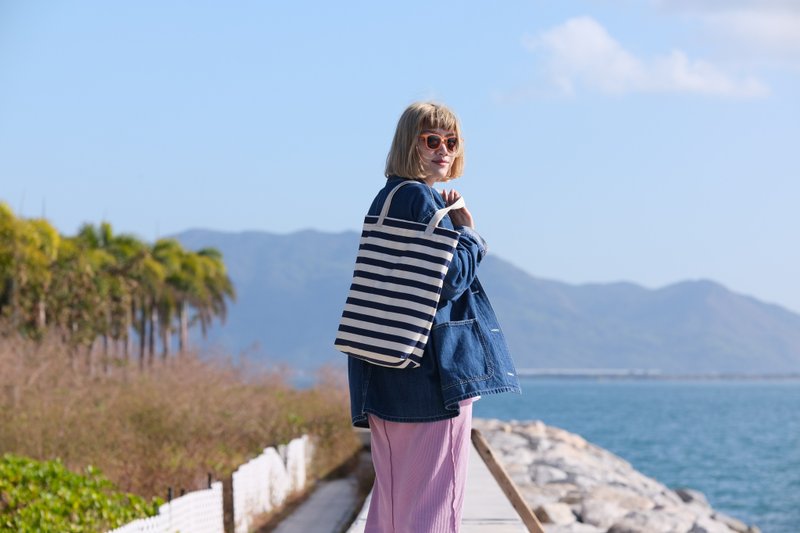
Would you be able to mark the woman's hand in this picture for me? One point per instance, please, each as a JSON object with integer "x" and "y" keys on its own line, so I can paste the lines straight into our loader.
{"x": 460, "y": 217}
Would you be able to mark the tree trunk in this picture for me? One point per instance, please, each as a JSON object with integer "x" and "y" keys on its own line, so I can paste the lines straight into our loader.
{"x": 127, "y": 340}
{"x": 13, "y": 296}
{"x": 152, "y": 334}
{"x": 165, "y": 341}
{"x": 41, "y": 315}
{"x": 142, "y": 335}
{"x": 106, "y": 366}
{"x": 73, "y": 350}
{"x": 123, "y": 349}
{"x": 183, "y": 337}
{"x": 90, "y": 359}
{"x": 128, "y": 348}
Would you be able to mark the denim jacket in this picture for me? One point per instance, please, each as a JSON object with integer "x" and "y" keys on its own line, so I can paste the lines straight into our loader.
{"x": 466, "y": 354}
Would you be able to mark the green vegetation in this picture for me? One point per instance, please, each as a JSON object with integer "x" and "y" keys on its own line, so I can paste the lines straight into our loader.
{"x": 45, "y": 496}
{"x": 169, "y": 424}
{"x": 167, "y": 427}
{"x": 99, "y": 287}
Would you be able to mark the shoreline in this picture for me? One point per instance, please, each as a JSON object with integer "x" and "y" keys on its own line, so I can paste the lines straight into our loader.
{"x": 575, "y": 486}
{"x": 636, "y": 375}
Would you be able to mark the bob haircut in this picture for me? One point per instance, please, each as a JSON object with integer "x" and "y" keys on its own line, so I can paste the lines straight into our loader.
{"x": 403, "y": 159}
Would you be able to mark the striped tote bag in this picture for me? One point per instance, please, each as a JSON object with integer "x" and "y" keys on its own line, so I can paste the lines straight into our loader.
{"x": 397, "y": 281}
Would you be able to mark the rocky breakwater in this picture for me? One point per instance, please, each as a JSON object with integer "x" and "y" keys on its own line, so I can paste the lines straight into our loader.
{"x": 575, "y": 486}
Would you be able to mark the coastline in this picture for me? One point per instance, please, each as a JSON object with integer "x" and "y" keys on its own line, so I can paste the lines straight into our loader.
{"x": 575, "y": 486}
{"x": 647, "y": 375}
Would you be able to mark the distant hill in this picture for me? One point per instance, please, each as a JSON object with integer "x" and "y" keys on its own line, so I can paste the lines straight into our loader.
{"x": 291, "y": 289}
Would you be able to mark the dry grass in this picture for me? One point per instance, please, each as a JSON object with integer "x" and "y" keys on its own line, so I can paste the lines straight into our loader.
{"x": 167, "y": 427}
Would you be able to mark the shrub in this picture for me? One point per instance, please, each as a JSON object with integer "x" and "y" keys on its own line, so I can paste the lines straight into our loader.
{"x": 166, "y": 427}
{"x": 45, "y": 496}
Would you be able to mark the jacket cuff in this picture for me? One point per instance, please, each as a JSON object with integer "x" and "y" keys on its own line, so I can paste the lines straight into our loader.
{"x": 474, "y": 236}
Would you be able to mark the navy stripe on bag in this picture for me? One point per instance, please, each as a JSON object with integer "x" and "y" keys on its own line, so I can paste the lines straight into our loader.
{"x": 397, "y": 283}
{"x": 397, "y": 280}
{"x": 399, "y": 310}
{"x": 395, "y": 266}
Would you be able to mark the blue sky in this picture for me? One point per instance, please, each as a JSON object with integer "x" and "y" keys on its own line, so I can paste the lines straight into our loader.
{"x": 640, "y": 140}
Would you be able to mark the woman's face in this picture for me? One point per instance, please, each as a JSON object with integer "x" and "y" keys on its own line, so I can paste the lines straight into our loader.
{"x": 436, "y": 161}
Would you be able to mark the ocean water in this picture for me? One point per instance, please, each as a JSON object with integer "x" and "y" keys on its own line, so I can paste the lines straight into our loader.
{"x": 736, "y": 441}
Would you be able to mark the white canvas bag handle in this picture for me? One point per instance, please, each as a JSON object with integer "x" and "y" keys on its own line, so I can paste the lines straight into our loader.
{"x": 437, "y": 216}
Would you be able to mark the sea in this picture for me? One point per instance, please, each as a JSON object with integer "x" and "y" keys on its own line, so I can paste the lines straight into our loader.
{"x": 735, "y": 440}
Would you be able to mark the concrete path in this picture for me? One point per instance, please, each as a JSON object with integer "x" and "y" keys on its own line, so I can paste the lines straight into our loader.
{"x": 327, "y": 510}
{"x": 486, "y": 508}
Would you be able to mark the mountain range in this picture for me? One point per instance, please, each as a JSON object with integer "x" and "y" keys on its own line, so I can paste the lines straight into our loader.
{"x": 291, "y": 289}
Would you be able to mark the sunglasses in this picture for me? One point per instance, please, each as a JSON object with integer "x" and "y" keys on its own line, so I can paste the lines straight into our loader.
{"x": 433, "y": 141}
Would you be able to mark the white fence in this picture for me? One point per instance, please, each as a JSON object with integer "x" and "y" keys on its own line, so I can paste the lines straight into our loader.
{"x": 265, "y": 482}
{"x": 259, "y": 486}
{"x": 196, "y": 512}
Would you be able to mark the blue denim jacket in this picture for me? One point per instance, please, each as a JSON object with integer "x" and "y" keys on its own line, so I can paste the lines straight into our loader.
{"x": 466, "y": 354}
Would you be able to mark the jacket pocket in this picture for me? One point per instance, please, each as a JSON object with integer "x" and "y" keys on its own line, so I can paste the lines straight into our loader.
{"x": 461, "y": 351}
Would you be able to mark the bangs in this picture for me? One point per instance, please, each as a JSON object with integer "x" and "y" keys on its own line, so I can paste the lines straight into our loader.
{"x": 438, "y": 117}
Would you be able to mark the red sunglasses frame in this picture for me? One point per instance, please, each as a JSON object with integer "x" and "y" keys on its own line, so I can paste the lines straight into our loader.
{"x": 442, "y": 139}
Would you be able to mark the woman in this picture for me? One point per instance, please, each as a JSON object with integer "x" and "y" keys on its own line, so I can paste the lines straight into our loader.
{"x": 420, "y": 419}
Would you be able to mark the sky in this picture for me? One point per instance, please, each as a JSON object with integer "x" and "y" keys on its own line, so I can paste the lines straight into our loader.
{"x": 650, "y": 141}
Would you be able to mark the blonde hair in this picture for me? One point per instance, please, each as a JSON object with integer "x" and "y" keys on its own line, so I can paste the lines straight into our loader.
{"x": 403, "y": 159}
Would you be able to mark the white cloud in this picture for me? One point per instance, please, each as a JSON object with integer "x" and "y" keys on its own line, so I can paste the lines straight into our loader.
{"x": 773, "y": 31}
{"x": 727, "y": 5}
{"x": 766, "y": 29}
{"x": 724, "y": 5}
{"x": 581, "y": 54}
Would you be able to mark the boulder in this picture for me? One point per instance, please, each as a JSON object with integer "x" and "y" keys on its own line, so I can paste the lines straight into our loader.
{"x": 692, "y": 496}
{"x": 706, "y": 524}
{"x": 572, "y": 495}
{"x": 623, "y": 496}
{"x": 508, "y": 443}
{"x": 601, "y": 513}
{"x": 542, "y": 474}
{"x": 575, "y": 527}
{"x": 571, "y": 439}
{"x": 733, "y": 523}
{"x": 661, "y": 521}
{"x": 535, "y": 497}
{"x": 534, "y": 428}
{"x": 555, "y": 513}
{"x": 523, "y": 455}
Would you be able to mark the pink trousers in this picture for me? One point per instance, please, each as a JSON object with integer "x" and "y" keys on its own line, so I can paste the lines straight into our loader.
{"x": 420, "y": 474}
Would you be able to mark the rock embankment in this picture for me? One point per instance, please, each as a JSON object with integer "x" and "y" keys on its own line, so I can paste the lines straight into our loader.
{"x": 575, "y": 486}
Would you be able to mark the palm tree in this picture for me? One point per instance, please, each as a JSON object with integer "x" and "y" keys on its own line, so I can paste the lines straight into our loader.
{"x": 8, "y": 262}
{"x": 28, "y": 249}
{"x": 101, "y": 286}
{"x": 44, "y": 255}
{"x": 127, "y": 251}
{"x": 78, "y": 291}
{"x": 169, "y": 253}
{"x": 190, "y": 290}
{"x": 142, "y": 278}
{"x": 150, "y": 278}
{"x": 218, "y": 287}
